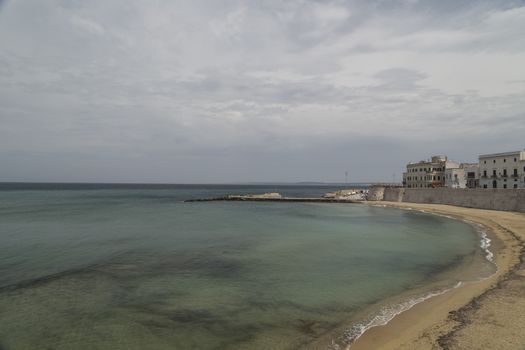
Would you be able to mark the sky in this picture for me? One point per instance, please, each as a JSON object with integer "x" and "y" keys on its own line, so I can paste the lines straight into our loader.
{"x": 225, "y": 91}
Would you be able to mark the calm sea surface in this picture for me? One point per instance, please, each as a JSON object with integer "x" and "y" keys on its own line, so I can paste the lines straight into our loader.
{"x": 133, "y": 267}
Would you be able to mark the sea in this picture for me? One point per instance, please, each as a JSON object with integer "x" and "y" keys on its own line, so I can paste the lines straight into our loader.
{"x": 102, "y": 266}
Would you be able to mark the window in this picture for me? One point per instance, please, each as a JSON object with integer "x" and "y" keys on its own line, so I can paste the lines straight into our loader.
{"x": 514, "y": 159}
{"x": 505, "y": 186}
{"x": 494, "y": 161}
{"x": 484, "y": 162}
{"x": 494, "y": 173}
{"x": 515, "y": 185}
{"x": 484, "y": 186}
{"x": 485, "y": 173}
{"x": 504, "y": 160}
{"x": 515, "y": 172}
{"x": 439, "y": 178}
{"x": 504, "y": 172}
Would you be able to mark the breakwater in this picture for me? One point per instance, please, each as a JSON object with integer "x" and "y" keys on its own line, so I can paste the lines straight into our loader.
{"x": 270, "y": 199}
{"x": 480, "y": 198}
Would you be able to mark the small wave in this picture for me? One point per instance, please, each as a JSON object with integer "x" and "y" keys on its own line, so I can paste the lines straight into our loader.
{"x": 485, "y": 241}
{"x": 485, "y": 244}
{"x": 385, "y": 315}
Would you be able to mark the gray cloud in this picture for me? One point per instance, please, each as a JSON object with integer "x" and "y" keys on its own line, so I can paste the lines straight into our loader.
{"x": 230, "y": 90}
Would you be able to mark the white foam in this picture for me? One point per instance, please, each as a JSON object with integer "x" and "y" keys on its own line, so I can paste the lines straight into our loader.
{"x": 485, "y": 241}
{"x": 485, "y": 244}
{"x": 385, "y": 315}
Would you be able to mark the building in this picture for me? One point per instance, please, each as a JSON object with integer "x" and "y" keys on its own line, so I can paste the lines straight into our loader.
{"x": 464, "y": 176}
{"x": 502, "y": 170}
{"x": 455, "y": 177}
{"x": 427, "y": 174}
{"x": 472, "y": 175}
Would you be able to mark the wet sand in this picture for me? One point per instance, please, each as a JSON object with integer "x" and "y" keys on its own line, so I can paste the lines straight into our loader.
{"x": 489, "y": 314}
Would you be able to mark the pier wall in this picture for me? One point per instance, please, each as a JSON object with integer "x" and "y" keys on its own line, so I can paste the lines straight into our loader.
{"x": 481, "y": 198}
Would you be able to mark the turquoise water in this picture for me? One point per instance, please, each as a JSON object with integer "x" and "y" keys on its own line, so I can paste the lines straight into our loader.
{"x": 136, "y": 268}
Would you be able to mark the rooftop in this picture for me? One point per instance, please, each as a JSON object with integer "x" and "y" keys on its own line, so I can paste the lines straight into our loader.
{"x": 503, "y": 154}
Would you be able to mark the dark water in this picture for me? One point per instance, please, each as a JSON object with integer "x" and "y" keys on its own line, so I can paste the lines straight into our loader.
{"x": 133, "y": 267}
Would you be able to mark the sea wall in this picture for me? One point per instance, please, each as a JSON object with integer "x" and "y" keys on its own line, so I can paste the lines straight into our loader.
{"x": 493, "y": 199}
{"x": 394, "y": 194}
{"x": 376, "y": 193}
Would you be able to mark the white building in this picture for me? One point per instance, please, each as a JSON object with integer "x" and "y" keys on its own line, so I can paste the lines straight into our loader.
{"x": 427, "y": 174}
{"x": 455, "y": 178}
{"x": 464, "y": 176}
{"x": 472, "y": 175}
{"x": 502, "y": 170}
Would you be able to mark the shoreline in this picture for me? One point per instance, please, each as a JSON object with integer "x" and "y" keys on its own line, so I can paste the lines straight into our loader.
{"x": 448, "y": 319}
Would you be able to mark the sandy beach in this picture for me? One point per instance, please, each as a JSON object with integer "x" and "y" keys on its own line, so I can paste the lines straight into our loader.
{"x": 488, "y": 314}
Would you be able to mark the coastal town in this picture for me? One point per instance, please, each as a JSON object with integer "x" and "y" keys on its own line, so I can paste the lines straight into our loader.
{"x": 498, "y": 170}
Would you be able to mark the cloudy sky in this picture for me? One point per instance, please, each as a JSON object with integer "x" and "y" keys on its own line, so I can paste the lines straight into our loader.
{"x": 191, "y": 91}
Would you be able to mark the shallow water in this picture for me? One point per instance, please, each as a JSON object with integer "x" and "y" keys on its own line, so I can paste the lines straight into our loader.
{"x": 136, "y": 268}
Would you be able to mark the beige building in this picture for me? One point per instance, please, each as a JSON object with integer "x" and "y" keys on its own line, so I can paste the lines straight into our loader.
{"x": 427, "y": 174}
{"x": 502, "y": 170}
